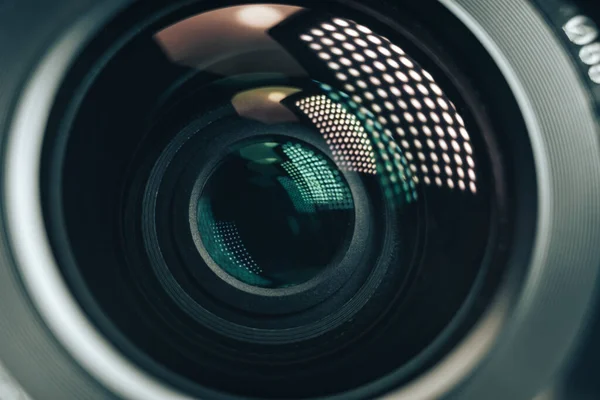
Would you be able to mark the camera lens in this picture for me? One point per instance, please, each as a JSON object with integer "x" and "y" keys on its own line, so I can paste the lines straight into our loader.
{"x": 275, "y": 214}
{"x": 341, "y": 199}
{"x": 307, "y": 202}
{"x": 293, "y": 193}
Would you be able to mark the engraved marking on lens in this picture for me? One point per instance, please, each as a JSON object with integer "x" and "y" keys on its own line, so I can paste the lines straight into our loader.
{"x": 581, "y": 30}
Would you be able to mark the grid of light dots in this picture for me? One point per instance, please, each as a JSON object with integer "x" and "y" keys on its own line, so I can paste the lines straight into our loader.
{"x": 305, "y": 201}
{"x": 233, "y": 251}
{"x": 319, "y": 183}
{"x": 392, "y": 166}
{"x": 299, "y": 195}
{"x": 403, "y": 97}
{"x": 343, "y": 132}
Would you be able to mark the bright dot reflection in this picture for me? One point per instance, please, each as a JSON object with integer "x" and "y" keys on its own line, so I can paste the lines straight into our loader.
{"x": 277, "y": 97}
{"x": 396, "y": 94}
{"x": 259, "y": 16}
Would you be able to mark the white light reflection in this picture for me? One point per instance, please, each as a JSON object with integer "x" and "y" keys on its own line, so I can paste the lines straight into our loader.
{"x": 401, "y": 96}
{"x": 259, "y": 16}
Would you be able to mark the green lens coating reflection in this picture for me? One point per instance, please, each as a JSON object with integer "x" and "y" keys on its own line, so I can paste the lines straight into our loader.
{"x": 275, "y": 214}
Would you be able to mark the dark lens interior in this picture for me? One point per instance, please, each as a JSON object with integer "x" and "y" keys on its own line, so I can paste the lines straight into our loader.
{"x": 275, "y": 214}
{"x": 286, "y": 202}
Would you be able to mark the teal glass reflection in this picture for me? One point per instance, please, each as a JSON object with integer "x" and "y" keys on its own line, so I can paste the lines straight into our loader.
{"x": 275, "y": 214}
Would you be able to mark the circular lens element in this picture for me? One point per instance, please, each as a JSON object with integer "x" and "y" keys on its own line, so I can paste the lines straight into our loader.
{"x": 274, "y": 214}
{"x": 285, "y": 196}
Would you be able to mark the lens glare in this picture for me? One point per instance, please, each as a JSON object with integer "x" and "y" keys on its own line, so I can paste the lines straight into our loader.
{"x": 274, "y": 214}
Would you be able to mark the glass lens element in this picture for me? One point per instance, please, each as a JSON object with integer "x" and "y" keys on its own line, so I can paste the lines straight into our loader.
{"x": 280, "y": 195}
{"x": 274, "y": 214}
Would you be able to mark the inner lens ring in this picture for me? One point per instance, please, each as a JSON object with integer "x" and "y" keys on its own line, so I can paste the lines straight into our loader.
{"x": 309, "y": 293}
{"x": 357, "y": 247}
{"x": 274, "y": 213}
